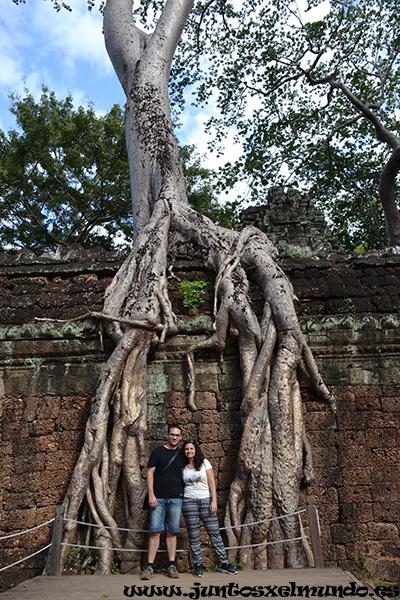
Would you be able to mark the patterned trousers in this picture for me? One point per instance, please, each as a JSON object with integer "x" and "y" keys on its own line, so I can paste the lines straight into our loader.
{"x": 194, "y": 511}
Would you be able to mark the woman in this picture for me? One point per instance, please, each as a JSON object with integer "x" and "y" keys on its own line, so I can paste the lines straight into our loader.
{"x": 200, "y": 502}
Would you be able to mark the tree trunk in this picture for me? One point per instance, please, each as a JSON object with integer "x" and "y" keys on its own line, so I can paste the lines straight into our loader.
{"x": 274, "y": 454}
{"x": 388, "y": 198}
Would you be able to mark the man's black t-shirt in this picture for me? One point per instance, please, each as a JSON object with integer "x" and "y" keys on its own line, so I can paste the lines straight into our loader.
{"x": 168, "y": 483}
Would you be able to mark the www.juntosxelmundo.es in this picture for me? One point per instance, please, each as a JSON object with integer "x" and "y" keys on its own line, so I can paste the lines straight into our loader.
{"x": 233, "y": 590}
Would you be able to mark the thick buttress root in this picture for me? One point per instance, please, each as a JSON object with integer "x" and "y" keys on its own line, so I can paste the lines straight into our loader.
{"x": 274, "y": 454}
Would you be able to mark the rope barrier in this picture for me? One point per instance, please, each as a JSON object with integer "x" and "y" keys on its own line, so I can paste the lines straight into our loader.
{"x": 107, "y": 526}
{"x": 221, "y": 528}
{"x": 304, "y": 537}
{"x": 265, "y": 520}
{"x": 115, "y": 549}
{"x": 26, "y": 558}
{"x": 6, "y": 537}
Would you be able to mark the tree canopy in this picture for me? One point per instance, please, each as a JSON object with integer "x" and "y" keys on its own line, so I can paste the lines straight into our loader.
{"x": 311, "y": 91}
{"x": 64, "y": 176}
{"x": 313, "y": 96}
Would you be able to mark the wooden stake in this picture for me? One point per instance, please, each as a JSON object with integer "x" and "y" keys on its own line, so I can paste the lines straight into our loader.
{"x": 55, "y": 549}
{"x": 315, "y": 532}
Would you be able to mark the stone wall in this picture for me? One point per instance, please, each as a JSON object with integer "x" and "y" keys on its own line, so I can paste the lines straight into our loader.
{"x": 349, "y": 310}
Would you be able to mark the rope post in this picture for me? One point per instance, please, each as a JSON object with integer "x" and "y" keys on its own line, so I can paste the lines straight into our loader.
{"x": 315, "y": 532}
{"x": 55, "y": 549}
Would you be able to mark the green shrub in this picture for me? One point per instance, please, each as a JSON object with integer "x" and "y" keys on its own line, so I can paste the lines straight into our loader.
{"x": 192, "y": 292}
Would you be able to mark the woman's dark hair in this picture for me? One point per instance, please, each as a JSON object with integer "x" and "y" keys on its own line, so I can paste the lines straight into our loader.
{"x": 198, "y": 457}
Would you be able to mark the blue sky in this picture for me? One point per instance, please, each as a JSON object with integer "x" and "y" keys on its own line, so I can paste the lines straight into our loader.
{"x": 64, "y": 51}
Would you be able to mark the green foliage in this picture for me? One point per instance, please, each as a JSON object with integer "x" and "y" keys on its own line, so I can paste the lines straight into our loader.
{"x": 64, "y": 176}
{"x": 192, "y": 292}
{"x": 351, "y": 307}
{"x": 365, "y": 564}
{"x": 309, "y": 98}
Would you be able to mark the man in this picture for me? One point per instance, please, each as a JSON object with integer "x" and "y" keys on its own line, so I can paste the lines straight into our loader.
{"x": 165, "y": 490}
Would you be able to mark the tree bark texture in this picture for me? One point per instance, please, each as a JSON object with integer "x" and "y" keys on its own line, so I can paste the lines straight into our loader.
{"x": 274, "y": 455}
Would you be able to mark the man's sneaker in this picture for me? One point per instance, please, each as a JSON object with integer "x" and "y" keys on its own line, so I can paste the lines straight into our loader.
{"x": 198, "y": 572}
{"x": 227, "y": 568}
{"x": 172, "y": 572}
{"x": 147, "y": 573}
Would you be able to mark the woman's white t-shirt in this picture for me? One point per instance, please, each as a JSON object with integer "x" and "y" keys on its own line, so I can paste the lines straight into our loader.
{"x": 196, "y": 482}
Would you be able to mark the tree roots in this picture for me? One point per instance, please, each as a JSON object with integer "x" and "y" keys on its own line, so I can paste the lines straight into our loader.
{"x": 274, "y": 455}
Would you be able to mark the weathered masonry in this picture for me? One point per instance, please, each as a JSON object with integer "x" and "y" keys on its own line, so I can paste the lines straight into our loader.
{"x": 349, "y": 308}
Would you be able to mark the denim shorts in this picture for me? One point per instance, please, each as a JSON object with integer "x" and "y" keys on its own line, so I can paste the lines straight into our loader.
{"x": 168, "y": 509}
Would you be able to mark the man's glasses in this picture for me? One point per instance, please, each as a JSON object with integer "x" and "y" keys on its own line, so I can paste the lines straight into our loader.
{"x": 174, "y": 434}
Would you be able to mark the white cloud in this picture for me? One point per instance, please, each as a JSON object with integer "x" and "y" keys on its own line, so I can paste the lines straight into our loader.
{"x": 9, "y": 72}
{"x": 75, "y": 36}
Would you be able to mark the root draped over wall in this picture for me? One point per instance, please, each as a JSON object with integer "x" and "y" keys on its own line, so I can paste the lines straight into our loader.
{"x": 274, "y": 456}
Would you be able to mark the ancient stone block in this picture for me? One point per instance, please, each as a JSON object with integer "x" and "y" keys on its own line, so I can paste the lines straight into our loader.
{"x": 17, "y": 430}
{"x": 30, "y": 409}
{"x": 24, "y": 447}
{"x": 176, "y": 399}
{"x": 382, "y": 531}
{"x": 341, "y": 534}
{"x": 356, "y": 420}
{"x": 325, "y": 456}
{"x": 208, "y": 432}
{"x": 42, "y": 427}
{"x": 206, "y": 401}
{"x": 225, "y": 479}
{"x": 391, "y": 404}
{"x": 30, "y": 463}
{"x": 229, "y": 431}
{"x": 383, "y": 490}
{"x": 387, "y": 570}
{"x": 355, "y": 493}
{"x": 355, "y": 475}
{"x": 387, "y": 511}
{"x": 319, "y": 421}
{"x": 329, "y": 476}
{"x": 229, "y": 399}
{"x": 207, "y": 382}
{"x": 381, "y": 438}
{"x": 213, "y": 450}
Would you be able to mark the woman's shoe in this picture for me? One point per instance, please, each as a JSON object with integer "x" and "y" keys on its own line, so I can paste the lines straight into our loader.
{"x": 227, "y": 568}
{"x": 198, "y": 571}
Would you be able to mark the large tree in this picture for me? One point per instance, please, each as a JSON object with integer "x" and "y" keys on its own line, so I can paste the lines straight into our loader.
{"x": 274, "y": 455}
{"x": 308, "y": 94}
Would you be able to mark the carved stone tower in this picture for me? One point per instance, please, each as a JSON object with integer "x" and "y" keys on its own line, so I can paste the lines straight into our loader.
{"x": 293, "y": 223}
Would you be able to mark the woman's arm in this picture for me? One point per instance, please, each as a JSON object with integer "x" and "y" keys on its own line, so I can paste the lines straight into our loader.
{"x": 213, "y": 490}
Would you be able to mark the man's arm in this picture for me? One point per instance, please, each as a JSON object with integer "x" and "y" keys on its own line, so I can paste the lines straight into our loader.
{"x": 150, "y": 487}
